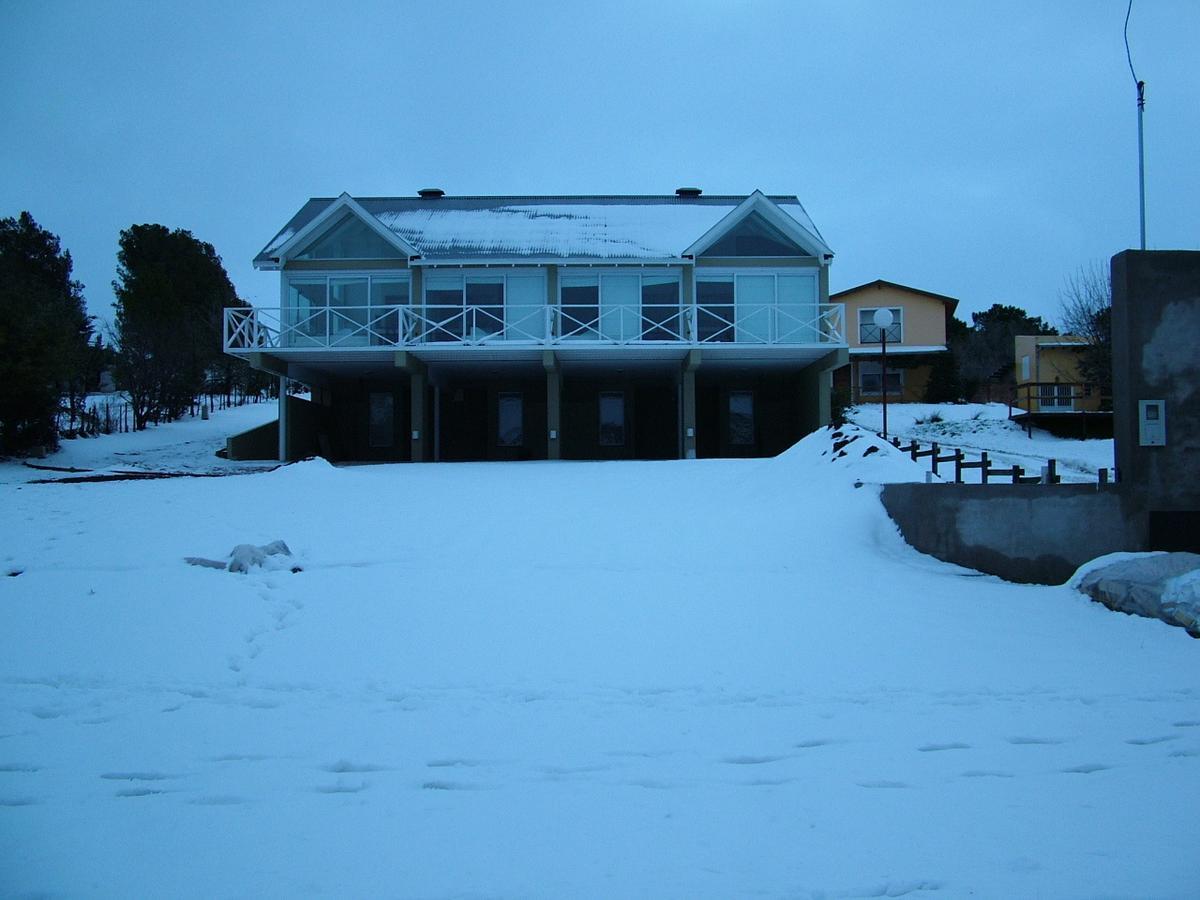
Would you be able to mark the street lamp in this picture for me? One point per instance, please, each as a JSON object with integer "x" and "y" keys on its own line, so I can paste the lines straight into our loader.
{"x": 883, "y": 321}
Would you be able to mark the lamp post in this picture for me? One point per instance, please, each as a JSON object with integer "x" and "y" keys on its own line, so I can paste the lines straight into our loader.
{"x": 883, "y": 321}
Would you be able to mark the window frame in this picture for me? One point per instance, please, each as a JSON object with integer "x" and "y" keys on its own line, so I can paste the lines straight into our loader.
{"x": 878, "y": 392}
{"x": 600, "y": 435}
{"x": 646, "y": 325}
{"x": 776, "y": 325}
{"x": 896, "y": 327}
{"x": 317, "y": 328}
{"x": 519, "y": 396}
{"x": 734, "y": 441}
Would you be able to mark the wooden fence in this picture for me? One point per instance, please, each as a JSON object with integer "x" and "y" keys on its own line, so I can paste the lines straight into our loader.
{"x": 987, "y": 472}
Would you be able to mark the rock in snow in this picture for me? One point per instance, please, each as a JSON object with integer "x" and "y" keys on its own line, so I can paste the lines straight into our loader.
{"x": 1159, "y": 586}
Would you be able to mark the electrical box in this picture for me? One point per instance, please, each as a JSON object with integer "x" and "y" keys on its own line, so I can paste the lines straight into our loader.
{"x": 1152, "y": 423}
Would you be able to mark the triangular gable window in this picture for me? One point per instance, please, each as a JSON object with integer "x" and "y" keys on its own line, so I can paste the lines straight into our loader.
{"x": 349, "y": 238}
{"x": 755, "y": 236}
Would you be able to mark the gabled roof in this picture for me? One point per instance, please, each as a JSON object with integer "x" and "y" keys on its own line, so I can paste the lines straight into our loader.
{"x": 950, "y": 302}
{"x": 650, "y": 228}
{"x": 806, "y": 236}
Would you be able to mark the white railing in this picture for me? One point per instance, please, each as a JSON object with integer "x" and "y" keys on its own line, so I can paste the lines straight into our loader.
{"x": 343, "y": 327}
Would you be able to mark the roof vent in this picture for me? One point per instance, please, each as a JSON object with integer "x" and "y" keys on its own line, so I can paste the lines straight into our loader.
{"x": 688, "y": 193}
{"x": 430, "y": 193}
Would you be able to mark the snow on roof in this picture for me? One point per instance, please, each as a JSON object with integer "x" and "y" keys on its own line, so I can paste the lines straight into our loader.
{"x": 591, "y": 227}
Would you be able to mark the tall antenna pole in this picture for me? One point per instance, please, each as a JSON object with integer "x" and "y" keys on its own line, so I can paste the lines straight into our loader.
{"x": 1141, "y": 95}
{"x": 1141, "y": 106}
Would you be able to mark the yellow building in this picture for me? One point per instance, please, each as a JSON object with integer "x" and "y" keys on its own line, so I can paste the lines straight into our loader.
{"x": 917, "y": 335}
{"x": 1048, "y": 375}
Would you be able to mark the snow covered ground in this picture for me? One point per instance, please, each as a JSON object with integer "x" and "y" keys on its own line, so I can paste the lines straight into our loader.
{"x": 985, "y": 426}
{"x": 189, "y": 445}
{"x": 673, "y": 679}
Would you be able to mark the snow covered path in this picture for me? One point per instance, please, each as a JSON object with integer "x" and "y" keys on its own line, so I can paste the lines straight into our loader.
{"x": 692, "y": 679}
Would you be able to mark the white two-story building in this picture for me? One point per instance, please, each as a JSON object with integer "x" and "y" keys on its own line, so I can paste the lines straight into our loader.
{"x": 468, "y": 328}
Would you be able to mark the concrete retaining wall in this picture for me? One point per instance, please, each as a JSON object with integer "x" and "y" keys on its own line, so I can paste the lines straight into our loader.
{"x": 262, "y": 442}
{"x": 1038, "y": 534}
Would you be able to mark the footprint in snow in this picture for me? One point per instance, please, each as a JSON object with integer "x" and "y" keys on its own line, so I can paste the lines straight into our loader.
{"x": 1145, "y": 742}
{"x": 814, "y": 743}
{"x": 218, "y": 800}
{"x": 137, "y": 776}
{"x": 934, "y": 748}
{"x": 450, "y": 786}
{"x": 986, "y": 773}
{"x": 17, "y": 801}
{"x": 1187, "y": 723}
{"x": 344, "y": 767}
{"x": 342, "y": 787}
{"x": 1037, "y": 741}
{"x": 882, "y": 784}
{"x": 19, "y": 767}
{"x": 1085, "y": 769}
{"x": 751, "y": 760}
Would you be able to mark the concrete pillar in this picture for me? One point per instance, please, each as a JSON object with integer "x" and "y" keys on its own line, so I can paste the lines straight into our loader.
{"x": 816, "y": 389}
{"x": 416, "y": 420}
{"x": 553, "y": 405}
{"x": 417, "y": 381}
{"x": 687, "y": 421}
{"x": 284, "y": 425}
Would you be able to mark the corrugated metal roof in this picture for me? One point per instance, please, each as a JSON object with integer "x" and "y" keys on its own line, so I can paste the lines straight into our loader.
{"x": 579, "y": 227}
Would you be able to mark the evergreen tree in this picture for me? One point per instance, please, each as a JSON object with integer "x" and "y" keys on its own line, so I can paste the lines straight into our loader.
{"x": 171, "y": 291}
{"x": 945, "y": 383}
{"x": 44, "y": 332}
{"x": 984, "y": 352}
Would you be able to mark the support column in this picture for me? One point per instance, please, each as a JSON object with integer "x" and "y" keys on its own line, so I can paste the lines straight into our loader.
{"x": 816, "y": 389}
{"x": 553, "y": 405}
{"x": 417, "y": 379}
{"x": 688, "y": 420}
{"x": 284, "y": 425}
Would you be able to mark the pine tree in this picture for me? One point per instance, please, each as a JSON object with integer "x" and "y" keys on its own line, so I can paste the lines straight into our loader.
{"x": 171, "y": 291}
{"x": 44, "y": 332}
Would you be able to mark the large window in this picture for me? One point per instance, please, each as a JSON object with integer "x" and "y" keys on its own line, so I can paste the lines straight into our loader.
{"x": 871, "y": 381}
{"x": 349, "y": 238}
{"x": 870, "y": 333}
{"x": 620, "y": 306}
{"x": 714, "y": 309}
{"x": 511, "y": 420}
{"x": 755, "y": 236}
{"x": 477, "y": 307}
{"x": 757, "y": 307}
{"x": 345, "y": 310}
{"x": 612, "y": 419}
{"x": 741, "y": 418}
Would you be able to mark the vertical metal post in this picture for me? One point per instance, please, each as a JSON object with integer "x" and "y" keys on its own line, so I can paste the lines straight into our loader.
{"x": 1141, "y": 105}
{"x": 883, "y": 380}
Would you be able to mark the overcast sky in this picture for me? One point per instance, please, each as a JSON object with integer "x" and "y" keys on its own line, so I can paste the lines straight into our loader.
{"x": 980, "y": 150}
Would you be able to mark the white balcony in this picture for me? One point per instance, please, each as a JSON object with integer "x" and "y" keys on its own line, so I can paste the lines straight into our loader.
{"x": 342, "y": 328}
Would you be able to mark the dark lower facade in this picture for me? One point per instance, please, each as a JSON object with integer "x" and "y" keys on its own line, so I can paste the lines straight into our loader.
{"x": 547, "y": 408}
